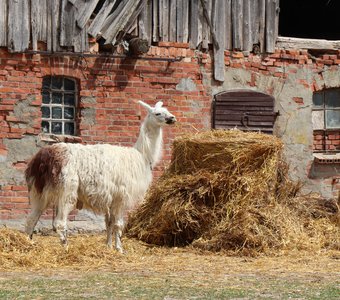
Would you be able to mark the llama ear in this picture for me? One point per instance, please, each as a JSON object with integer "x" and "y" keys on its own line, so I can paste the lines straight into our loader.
{"x": 159, "y": 104}
{"x": 147, "y": 106}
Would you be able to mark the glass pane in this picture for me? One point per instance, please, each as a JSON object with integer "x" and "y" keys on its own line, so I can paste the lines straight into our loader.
{"x": 318, "y": 99}
{"x": 69, "y": 113}
{"x": 57, "y": 83}
{"x": 69, "y": 99}
{"x": 69, "y": 85}
{"x": 46, "y": 82}
{"x": 45, "y": 97}
{"x": 69, "y": 128}
{"x": 56, "y": 113}
{"x": 332, "y": 118}
{"x": 332, "y": 98}
{"x": 318, "y": 119}
{"x": 57, "y": 98}
{"x": 56, "y": 127}
{"x": 45, "y": 127}
{"x": 45, "y": 112}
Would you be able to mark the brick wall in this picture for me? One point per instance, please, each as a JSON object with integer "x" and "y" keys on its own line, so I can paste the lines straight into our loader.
{"x": 326, "y": 141}
{"x": 109, "y": 89}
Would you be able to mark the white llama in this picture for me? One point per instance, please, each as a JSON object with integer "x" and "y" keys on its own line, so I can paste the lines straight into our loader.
{"x": 106, "y": 179}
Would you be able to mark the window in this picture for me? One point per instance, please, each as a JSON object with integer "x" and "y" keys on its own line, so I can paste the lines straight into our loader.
{"x": 326, "y": 120}
{"x": 59, "y": 99}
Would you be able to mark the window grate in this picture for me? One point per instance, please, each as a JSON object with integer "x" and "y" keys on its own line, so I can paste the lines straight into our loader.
{"x": 59, "y": 100}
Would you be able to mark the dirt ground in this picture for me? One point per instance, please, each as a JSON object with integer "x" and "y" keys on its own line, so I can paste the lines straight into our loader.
{"x": 147, "y": 272}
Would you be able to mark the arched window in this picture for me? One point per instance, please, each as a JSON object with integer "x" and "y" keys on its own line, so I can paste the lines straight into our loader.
{"x": 244, "y": 109}
{"x": 326, "y": 120}
{"x": 59, "y": 100}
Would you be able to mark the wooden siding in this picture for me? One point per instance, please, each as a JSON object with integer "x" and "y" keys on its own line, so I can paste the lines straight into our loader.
{"x": 66, "y": 25}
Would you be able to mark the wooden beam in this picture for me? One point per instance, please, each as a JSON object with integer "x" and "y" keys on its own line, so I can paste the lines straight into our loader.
{"x": 299, "y": 43}
{"x": 271, "y": 24}
{"x": 38, "y": 22}
{"x": 237, "y": 14}
{"x": 207, "y": 18}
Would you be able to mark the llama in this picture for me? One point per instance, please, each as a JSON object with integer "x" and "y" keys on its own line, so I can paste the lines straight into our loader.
{"x": 106, "y": 179}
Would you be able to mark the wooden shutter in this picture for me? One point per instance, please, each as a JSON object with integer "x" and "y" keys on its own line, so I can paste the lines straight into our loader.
{"x": 244, "y": 109}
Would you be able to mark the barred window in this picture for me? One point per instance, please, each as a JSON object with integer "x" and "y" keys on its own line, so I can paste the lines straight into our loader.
{"x": 59, "y": 100}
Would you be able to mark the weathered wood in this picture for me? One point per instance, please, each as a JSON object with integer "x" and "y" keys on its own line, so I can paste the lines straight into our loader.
{"x": 113, "y": 16}
{"x": 3, "y": 23}
{"x": 193, "y": 38}
{"x": 254, "y": 19}
{"x": 210, "y": 26}
{"x": 145, "y": 22}
{"x": 38, "y": 22}
{"x": 164, "y": 21}
{"x": 155, "y": 21}
{"x": 299, "y": 43}
{"x": 85, "y": 9}
{"x": 182, "y": 21}
{"x": 262, "y": 24}
{"x": 219, "y": 21}
{"x": 271, "y": 24}
{"x": 80, "y": 40}
{"x": 53, "y": 25}
{"x": 18, "y": 25}
{"x": 67, "y": 24}
{"x": 133, "y": 17}
{"x": 228, "y": 25}
{"x": 237, "y": 13}
{"x": 172, "y": 22}
{"x": 98, "y": 21}
{"x": 247, "y": 26}
{"x": 120, "y": 22}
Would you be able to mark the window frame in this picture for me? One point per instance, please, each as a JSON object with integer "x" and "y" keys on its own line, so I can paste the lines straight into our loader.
{"x": 325, "y": 131}
{"x": 50, "y": 90}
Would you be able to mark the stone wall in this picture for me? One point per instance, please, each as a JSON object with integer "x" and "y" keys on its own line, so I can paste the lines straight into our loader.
{"x": 109, "y": 89}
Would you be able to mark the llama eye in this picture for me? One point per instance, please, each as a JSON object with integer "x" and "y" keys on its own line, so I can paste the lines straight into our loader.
{"x": 158, "y": 114}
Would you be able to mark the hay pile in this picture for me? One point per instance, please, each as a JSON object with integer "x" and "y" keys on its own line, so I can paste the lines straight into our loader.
{"x": 229, "y": 190}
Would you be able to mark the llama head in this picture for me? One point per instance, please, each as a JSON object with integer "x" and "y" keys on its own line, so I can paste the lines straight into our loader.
{"x": 158, "y": 114}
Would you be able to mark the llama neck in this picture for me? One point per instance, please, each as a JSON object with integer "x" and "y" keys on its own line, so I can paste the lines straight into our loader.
{"x": 149, "y": 142}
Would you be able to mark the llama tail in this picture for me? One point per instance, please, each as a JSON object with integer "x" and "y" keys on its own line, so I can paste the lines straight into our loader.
{"x": 45, "y": 167}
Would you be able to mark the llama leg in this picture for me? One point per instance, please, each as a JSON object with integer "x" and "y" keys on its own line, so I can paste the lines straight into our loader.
{"x": 32, "y": 221}
{"x": 109, "y": 221}
{"x": 38, "y": 207}
{"x": 60, "y": 222}
{"x": 118, "y": 229}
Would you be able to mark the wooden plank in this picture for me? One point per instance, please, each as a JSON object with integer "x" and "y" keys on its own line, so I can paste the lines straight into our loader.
{"x": 67, "y": 24}
{"x": 98, "y": 21}
{"x": 131, "y": 24}
{"x": 120, "y": 22}
{"x": 219, "y": 22}
{"x": 38, "y": 22}
{"x": 254, "y": 19}
{"x": 113, "y": 16}
{"x": 172, "y": 20}
{"x": 18, "y": 25}
{"x": 84, "y": 11}
{"x": 182, "y": 22}
{"x": 271, "y": 24}
{"x": 262, "y": 24}
{"x": 3, "y": 23}
{"x": 164, "y": 20}
{"x": 194, "y": 24}
{"x": 145, "y": 22}
{"x": 155, "y": 20}
{"x": 228, "y": 26}
{"x": 237, "y": 14}
{"x": 247, "y": 26}
{"x": 53, "y": 25}
{"x": 209, "y": 27}
{"x": 299, "y": 43}
{"x": 80, "y": 40}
